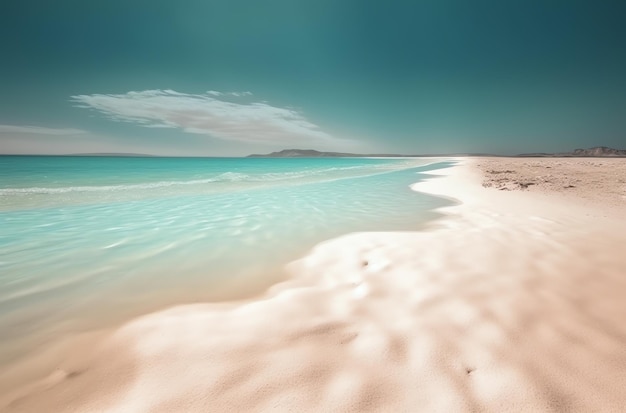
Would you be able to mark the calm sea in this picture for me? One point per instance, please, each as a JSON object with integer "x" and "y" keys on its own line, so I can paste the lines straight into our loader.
{"x": 91, "y": 241}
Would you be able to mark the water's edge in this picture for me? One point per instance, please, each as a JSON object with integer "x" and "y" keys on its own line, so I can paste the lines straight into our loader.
{"x": 262, "y": 287}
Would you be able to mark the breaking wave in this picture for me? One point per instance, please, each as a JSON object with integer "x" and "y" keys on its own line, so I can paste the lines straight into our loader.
{"x": 225, "y": 177}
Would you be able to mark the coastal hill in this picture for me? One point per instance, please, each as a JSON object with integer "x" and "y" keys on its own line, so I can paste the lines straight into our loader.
{"x": 311, "y": 153}
{"x": 112, "y": 154}
{"x": 598, "y": 151}
{"x": 303, "y": 153}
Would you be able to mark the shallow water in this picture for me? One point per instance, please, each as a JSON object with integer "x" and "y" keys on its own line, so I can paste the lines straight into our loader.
{"x": 90, "y": 241}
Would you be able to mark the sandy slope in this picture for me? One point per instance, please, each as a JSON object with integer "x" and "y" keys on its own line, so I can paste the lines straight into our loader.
{"x": 514, "y": 302}
{"x": 599, "y": 183}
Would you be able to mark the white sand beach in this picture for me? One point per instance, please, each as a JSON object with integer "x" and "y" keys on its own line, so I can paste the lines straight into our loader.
{"x": 515, "y": 301}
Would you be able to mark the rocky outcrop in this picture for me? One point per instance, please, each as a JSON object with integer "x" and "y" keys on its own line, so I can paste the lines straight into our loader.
{"x": 598, "y": 151}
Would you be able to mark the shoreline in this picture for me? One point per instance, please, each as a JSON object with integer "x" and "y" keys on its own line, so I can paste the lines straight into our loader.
{"x": 512, "y": 301}
{"x": 203, "y": 283}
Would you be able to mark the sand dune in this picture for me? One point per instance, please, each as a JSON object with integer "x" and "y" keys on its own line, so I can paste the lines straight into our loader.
{"x": 512, "y": 302}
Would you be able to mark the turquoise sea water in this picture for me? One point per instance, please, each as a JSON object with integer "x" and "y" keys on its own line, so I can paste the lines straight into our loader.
{"x": 86, "y": 241}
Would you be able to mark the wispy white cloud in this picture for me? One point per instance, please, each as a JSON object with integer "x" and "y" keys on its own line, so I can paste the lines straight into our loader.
{"x": 37, "y": 130}
{"x": 210, "y": 114}
{"x": 236, "y": 94}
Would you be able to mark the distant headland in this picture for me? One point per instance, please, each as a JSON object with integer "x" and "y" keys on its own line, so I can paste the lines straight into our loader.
{"x": 113, "y": 154}
{"x": 594, "y": 152}
{"x": 598, "y": 151}
{"x": 311, "y": 153}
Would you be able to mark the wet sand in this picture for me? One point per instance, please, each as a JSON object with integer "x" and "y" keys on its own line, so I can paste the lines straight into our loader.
{"x": 514, "y": 301}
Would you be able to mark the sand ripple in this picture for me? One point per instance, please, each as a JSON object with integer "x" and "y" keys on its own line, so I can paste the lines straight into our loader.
{"x": 509, "y": 304}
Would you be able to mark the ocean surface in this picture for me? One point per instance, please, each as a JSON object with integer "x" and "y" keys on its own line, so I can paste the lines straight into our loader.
{"x": 87, "y": 242}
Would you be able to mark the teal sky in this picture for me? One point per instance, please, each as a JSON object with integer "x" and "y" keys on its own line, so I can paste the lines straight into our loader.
{"x": 229, "y": 78}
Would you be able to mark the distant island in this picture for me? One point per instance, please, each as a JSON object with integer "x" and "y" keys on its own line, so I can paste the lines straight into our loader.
{"x": 113, "y": 154}
{"x": 311, "y": 153}
{"x": 598, "y": 151}
{"x": 595, "y": 152}
{"x": 304, "y": 153}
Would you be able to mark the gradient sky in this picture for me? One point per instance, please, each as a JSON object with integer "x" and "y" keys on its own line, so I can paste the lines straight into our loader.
{"x": 233, "y": 77}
